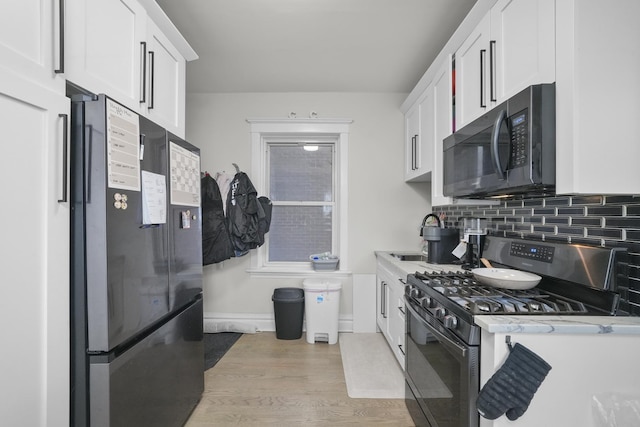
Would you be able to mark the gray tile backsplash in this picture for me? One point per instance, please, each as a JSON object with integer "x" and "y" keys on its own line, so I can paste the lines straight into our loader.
{"x": 593, "y": 220}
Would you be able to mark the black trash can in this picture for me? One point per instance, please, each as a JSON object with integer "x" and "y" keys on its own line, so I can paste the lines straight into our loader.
{"x": 288, "y": 309}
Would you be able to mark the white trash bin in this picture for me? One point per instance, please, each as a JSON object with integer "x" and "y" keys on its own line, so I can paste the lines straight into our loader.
{"x": 322, "y": 307}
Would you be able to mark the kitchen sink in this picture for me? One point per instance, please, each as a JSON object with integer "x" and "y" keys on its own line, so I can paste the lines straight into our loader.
{"x": 410, "y": 257}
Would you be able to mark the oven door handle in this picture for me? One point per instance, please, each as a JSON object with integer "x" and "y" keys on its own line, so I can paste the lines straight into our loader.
{"x": 448, "y": 343}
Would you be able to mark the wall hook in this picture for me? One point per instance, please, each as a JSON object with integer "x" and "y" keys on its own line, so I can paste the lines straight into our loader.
{"x": 507, "y": 340}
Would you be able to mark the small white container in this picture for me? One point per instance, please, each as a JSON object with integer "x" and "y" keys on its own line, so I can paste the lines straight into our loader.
{"x": 322, "y": 309}
{"x": 324, "y": 262}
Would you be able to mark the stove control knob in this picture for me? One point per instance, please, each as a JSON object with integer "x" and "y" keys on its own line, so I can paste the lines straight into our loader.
{"x": 426, "y": 302}
{"x": 450, "y": 321}
{"x": 440, "y": 312}
{"x": 415, "y": 293}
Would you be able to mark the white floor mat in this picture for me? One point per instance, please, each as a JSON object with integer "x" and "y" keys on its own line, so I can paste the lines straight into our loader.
{"x": 370, "y": 368}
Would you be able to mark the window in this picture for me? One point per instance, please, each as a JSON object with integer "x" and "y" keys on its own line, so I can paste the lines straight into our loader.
{"x": 301, "y": 166}
{"x": 300, "y": 186}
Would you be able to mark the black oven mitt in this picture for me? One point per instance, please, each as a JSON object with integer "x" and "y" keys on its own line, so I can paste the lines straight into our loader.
{"x": 512, "y": 387}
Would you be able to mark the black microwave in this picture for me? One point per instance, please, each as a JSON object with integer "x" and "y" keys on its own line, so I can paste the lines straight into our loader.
{"x": 509, "y": 151}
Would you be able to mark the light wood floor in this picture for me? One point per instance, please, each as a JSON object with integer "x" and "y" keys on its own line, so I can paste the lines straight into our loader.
{"x": 265, "y": 381}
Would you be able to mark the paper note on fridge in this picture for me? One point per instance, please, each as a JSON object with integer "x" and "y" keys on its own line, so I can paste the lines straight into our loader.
{"x": 154, "y": 198}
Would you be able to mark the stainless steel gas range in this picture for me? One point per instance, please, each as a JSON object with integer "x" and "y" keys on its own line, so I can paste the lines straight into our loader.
{"x": 443, "y": 341}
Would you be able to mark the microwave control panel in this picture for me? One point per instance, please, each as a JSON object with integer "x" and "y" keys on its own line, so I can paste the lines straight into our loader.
{"x": 519, "y": 139}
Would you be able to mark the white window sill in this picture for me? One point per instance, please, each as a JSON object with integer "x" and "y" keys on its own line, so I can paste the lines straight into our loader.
{"x": 279, "y": 272}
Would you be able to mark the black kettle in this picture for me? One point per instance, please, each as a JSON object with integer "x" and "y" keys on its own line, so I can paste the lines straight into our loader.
{"x": 424, "y": 222}
{"x": 440, "y": 241}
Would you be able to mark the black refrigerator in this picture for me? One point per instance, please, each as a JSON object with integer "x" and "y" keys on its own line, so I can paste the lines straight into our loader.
{"x": 137, "y": 355}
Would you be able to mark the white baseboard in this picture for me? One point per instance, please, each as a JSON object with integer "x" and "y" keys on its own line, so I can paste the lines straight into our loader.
{"x": 252, "y": 323}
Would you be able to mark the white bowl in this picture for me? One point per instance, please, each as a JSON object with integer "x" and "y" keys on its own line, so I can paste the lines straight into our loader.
{"x": 506, "y": 278}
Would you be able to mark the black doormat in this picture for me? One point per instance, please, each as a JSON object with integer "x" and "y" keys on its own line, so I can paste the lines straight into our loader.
{"x": 216, "y": 345}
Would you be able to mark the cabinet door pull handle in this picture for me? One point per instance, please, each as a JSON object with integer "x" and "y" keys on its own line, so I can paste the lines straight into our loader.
{"x": 401, "y": 308}
{"x": 384, "y": 299}
{"x": 60, "y": 68}
{"x": 413, "y": 153}
{"x": 492, "y": 70}
{"x": 143, "y": 72}
{"x": 65, "y": 144}
{"x": 401, "y": 349}
{"x": 417, "y": 156}
{"x": 152, "y": 71}
{"x": 483, "y": 53}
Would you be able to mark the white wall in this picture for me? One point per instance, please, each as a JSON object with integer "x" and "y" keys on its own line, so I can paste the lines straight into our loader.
{"x": 384, "y": 212}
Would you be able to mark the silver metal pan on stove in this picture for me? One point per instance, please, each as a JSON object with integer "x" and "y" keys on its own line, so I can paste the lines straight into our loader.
{"x": 506, "y": 278}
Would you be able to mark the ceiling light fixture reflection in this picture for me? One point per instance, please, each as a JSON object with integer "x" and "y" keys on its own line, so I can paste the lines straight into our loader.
{"x": 310, "y": 147}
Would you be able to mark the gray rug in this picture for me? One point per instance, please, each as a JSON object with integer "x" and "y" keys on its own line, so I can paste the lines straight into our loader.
{"x": 370, "y": 368}
{"x": 216, "y": 345}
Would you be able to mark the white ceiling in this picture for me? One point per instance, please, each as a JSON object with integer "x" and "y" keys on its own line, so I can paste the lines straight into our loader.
{"x": 313, "y": 45}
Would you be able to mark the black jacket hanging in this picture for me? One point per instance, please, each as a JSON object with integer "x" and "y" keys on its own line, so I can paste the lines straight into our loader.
{"x": 246, "y": 216}
{"x": 216, "y": 242}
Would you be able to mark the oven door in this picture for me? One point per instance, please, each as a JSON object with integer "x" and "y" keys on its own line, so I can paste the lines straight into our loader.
{"x": 442, "y": 373}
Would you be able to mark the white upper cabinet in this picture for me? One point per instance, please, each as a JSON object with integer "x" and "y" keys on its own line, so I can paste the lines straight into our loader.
{"x": 522, "y": 47}
{"x": 427, "y": 115}
{"x": 503, "y": 46}
{"x": 31, "y": 41}
{"x": 165, "y": 81}
{"x": 598, "y": 44}
{"x": 471, "y": 74}
{"x": 442, "y": 127}
{"x": 129, "y": 50}
{"x": 105, "y": 48}
{"x": 511, "y": 48}
{"x": 412, "y": 148}
{"x": 434, "y": 114}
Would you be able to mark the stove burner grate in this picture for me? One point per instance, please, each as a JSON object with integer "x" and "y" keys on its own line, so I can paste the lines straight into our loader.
{"x": 476, "y": 298}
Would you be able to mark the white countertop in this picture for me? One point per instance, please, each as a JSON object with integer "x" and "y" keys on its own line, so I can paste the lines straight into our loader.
{"x": 559, "y": 324}
{"x": 527, "y": 324}
{"x": 402, "y": 268}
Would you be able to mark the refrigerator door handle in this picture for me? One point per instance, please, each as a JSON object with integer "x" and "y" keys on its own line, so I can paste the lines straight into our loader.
{"x": 65, "y": 145}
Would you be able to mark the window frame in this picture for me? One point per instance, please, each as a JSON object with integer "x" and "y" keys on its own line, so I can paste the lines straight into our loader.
{"x": 264, "y": 131}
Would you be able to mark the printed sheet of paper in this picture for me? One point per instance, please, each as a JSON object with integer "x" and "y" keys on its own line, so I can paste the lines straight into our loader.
{"x": 154, "y": 198}
{"x": 123, "y": 147}
{"x": 185, "y": 176}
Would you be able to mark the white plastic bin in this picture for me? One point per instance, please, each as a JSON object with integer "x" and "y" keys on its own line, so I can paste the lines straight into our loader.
{"x": 322, "y": 307}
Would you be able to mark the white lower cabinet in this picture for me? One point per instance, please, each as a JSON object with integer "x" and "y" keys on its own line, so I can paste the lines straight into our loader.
{"x": 391, "y": 311}
{"x": 34, "y": 319}
{"x": 586, "y": 370}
